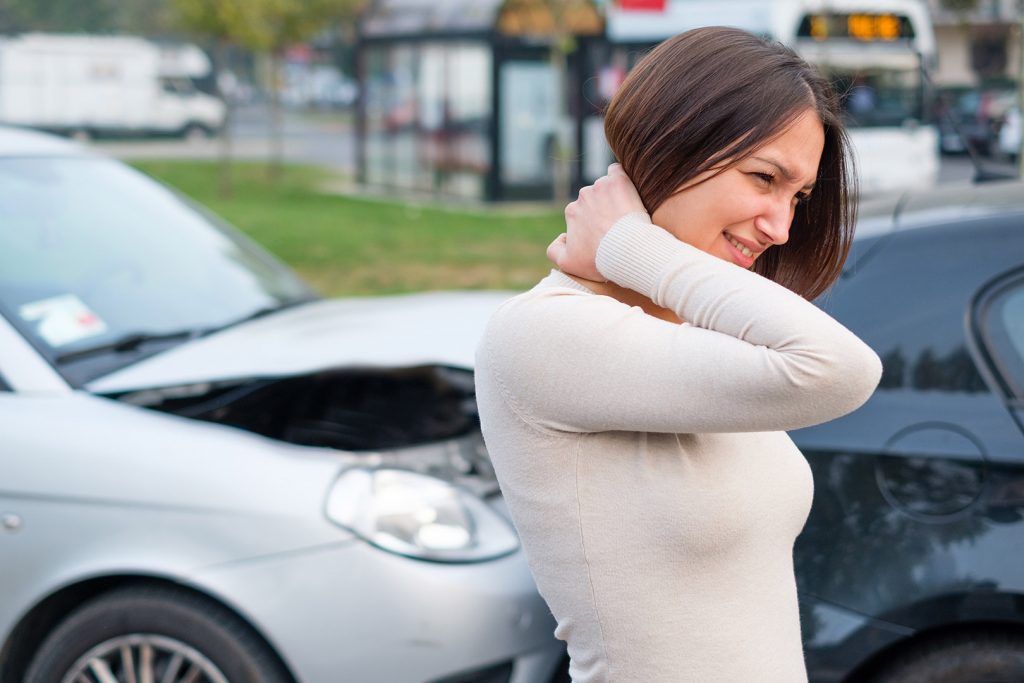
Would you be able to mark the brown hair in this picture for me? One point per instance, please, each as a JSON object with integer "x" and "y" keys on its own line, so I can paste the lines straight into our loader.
{"x": 706, "y": 99}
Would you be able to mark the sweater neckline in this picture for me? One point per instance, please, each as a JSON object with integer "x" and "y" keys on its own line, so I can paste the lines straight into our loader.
{"x": 557, "y": 278}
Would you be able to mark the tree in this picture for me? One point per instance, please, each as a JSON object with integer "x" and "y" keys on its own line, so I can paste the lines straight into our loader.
{"x": 271, "y": 26}
{"x": 215, "y": 20}
{"x": 82, "y": 16}
{"x": 146, "y": 18}
{"x": 266, "y": 26}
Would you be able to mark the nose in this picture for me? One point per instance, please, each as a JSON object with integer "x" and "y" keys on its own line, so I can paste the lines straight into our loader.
{"x": 775, "y": 220}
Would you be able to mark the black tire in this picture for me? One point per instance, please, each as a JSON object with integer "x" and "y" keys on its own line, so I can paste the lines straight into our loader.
{"x": 169, "y": 623}
{"x": 195, "y": 132}
{"x": 981, "y": 657}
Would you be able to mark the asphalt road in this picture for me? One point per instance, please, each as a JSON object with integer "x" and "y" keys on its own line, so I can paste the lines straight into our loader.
{"x": 318, "y": 138}
{"x": 328, "y": 139}
{"x": 959, "y": 168}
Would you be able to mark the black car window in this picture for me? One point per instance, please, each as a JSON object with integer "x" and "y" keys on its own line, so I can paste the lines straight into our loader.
{"x": 999, "y": 319}
{"x": 4, "y": 386}
{"x": 909, "y": 300}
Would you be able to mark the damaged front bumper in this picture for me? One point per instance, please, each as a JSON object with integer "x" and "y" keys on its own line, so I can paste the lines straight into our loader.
{"x": 403, "y": 601}
{"x": 353, "y": 612}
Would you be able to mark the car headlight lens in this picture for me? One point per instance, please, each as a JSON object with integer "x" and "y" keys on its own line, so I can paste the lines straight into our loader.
{"x": 418, "y": 516}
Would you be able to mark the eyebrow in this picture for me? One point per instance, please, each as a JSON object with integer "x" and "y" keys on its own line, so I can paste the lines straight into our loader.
{"x": 789, "y": 175}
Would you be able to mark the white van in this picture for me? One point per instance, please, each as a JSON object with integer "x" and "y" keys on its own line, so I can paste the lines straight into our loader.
{"x": 96, "y": 85}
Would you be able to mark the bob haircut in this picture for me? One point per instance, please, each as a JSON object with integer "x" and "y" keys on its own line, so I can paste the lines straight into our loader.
{"x": 706, "y": 99}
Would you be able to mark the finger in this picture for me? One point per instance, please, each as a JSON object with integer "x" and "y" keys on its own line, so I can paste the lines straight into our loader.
{"x": 556, "y": 250}
{"x": 615, "y": 169}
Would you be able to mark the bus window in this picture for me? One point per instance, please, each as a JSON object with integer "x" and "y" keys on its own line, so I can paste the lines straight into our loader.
{"x": 873, "y": 98}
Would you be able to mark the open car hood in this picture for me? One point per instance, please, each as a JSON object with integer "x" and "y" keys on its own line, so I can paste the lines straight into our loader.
{"x": 440, "y": 328}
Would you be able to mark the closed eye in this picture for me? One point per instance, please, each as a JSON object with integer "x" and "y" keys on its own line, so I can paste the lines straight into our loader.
{"x": 767, "y": 179}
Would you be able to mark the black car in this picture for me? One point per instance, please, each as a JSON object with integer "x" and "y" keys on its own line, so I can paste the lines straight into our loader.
{"x": 911, "y": 566}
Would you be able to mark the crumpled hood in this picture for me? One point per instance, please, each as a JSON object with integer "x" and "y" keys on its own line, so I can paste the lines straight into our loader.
{"x": 432, "y": 328}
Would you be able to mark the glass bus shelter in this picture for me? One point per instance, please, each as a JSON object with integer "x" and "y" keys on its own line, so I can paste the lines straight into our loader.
{"x": 461, "y": 98}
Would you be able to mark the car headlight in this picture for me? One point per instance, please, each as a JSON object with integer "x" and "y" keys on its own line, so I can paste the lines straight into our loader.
{"x": 418, "y": 516}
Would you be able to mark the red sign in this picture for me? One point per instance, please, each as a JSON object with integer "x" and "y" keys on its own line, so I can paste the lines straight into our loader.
{"x": 643, "y": 5}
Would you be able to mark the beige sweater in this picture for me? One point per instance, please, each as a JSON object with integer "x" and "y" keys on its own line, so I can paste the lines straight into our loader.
{"x": 643, "y": 463}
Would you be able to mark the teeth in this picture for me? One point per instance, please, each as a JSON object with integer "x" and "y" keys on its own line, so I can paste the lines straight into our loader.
{"x": 743, "y": 250}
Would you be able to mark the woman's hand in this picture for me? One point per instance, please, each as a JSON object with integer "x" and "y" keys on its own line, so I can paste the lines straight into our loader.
{"x": 589, "y": 218}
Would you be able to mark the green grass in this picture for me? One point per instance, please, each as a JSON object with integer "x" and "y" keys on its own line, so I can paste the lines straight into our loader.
{"x": 346, "y": 245}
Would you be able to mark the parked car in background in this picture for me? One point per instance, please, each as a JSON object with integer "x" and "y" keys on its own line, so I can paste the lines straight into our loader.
{"x": 973, "y": 118}
{"x": 209, "y": 474}
{"x": 911, "y": 566}
{"x": 318, "y": 86}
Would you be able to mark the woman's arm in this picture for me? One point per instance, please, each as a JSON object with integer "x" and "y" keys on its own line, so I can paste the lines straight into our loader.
{"x": 755, "y": 356}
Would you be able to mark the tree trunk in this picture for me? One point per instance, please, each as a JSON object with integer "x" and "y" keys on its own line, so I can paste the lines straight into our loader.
{"x": 562, "y": 169}
{"x": 276, "y": 119}
{"x": 226, "y": 185}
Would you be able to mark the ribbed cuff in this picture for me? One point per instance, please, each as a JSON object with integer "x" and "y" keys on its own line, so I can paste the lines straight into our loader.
{"x": 635, "y": 252}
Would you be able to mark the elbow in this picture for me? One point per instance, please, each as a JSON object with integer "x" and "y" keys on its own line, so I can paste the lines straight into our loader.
{"x": 834, "y": 384}
{"x": 873, "y": 370}
{"x": 858, "y": 372}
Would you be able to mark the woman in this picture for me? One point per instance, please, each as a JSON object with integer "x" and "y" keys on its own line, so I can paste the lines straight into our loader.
{"x": 633, "y": 401}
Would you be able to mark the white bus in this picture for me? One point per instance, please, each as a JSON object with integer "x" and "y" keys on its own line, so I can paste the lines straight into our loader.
{"x": 873, "y": 50}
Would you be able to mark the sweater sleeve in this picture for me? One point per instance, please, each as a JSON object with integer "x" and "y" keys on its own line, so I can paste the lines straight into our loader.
{"x": 753, "y": 356}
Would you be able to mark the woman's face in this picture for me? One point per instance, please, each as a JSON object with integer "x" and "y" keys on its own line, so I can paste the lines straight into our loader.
{"x": 747, "y": 208}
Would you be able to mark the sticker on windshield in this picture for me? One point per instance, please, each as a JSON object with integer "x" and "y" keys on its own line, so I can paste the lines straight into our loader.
{"x": 61, "y": 320}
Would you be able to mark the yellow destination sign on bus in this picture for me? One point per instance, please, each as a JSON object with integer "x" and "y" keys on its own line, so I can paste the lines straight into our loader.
{"x": 862, "y": 26}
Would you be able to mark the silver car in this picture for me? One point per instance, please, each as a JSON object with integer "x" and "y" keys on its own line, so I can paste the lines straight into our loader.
{"x": 208, "y": 474}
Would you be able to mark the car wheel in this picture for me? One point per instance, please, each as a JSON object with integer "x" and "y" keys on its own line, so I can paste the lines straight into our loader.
{"x": 965, "y": 658}
{"x": 153, "y": 634}
{"x": 195, "y": 132}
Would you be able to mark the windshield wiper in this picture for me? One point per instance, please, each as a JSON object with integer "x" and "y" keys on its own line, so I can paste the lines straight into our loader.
{"x": 259, "y": 313}
{"x": 132, "y": 341}
{"x": 127, "y": 343}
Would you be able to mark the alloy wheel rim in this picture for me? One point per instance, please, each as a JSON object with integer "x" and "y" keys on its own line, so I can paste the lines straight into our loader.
{"x": 143, "y": 658}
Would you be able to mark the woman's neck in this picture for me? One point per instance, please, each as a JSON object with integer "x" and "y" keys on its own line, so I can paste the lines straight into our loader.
{"x": 628, "y": 297}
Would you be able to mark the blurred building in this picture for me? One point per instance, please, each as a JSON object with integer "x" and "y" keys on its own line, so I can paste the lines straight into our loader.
{"x": 979, "y": 46}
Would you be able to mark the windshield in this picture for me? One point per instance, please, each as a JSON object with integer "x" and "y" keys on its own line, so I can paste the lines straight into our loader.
{"x": 93, "y": 253}
{"x": 878, "y": 97}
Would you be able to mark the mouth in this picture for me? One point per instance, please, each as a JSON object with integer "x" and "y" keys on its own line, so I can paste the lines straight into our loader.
{"x": 740, "y": 253}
